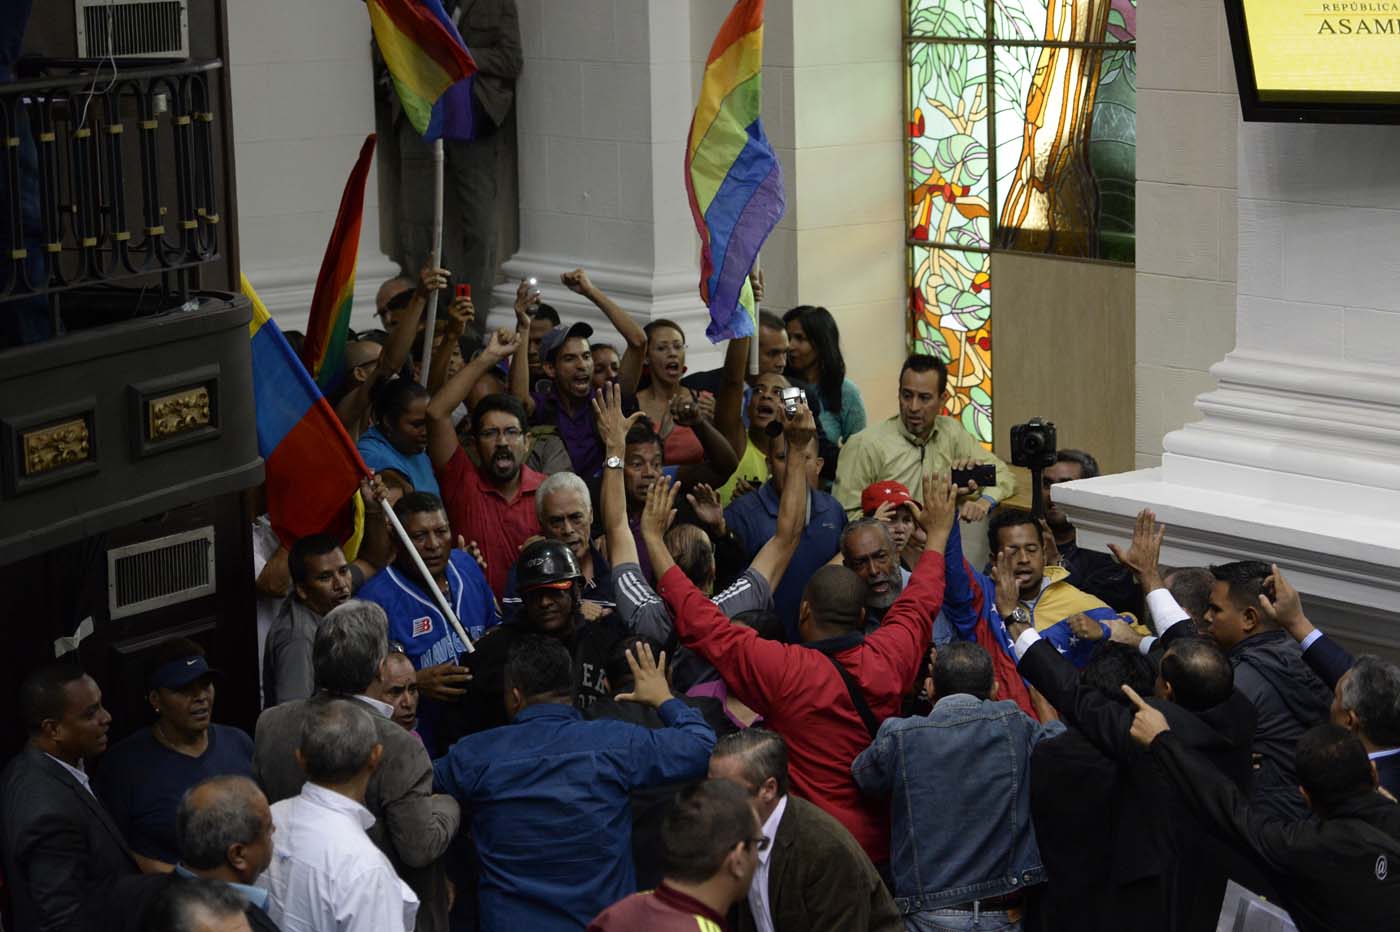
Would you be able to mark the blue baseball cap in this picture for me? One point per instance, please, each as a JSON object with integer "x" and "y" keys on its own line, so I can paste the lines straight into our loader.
{"x": 551, "y": 341}
{"x": 180, "y": 673}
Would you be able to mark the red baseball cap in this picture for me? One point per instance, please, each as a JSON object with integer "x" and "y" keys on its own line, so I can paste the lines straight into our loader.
{"x": 877, "y": 493}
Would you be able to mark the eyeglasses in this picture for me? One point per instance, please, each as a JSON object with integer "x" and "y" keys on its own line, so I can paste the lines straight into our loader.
{"x": 492, "y": 434}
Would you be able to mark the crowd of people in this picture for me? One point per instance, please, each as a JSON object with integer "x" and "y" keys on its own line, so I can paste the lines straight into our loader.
{"x": 692, "y": 650}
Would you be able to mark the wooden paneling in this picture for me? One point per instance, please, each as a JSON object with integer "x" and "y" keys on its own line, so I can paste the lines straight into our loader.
{"x": 1063, "y": 348}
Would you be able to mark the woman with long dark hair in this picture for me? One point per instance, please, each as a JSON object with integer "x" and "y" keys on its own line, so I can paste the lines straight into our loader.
{"x": 814, "y": 357}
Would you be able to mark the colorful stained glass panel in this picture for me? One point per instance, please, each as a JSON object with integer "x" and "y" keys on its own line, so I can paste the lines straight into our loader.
{"x": 948, "y": 19}
{"x": 950, "y": 300}
{"x": 950, "y": 195}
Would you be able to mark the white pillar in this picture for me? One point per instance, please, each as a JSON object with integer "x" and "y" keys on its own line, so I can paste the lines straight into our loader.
{"x": 303, "y": 102}
{"x": 1296, "y": 459}
{"x": 604, "y": 105}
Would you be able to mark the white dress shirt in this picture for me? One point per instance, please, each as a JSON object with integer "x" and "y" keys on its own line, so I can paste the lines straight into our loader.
{"x": 326, "y": 875}
{"x": 758, "y": 890}
{"x": 380, "y": 708}
{"x": 78, "y": 772}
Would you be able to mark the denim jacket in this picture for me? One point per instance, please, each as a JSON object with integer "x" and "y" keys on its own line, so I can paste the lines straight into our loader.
{"x": 959, "y": 782}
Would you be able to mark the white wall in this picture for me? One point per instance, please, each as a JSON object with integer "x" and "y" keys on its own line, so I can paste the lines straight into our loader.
{"x": 1187, "y": 115}
{"x": 302, "y": 104}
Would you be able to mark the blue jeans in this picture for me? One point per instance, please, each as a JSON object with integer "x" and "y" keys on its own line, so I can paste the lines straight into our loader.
{"x": 960, "y": 920}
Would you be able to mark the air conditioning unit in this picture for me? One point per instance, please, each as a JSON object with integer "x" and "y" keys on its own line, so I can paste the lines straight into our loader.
{"x": 133, "y": 28}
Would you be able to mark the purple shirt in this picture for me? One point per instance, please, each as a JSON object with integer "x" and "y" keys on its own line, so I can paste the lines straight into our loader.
{"x": 577, "y": 430}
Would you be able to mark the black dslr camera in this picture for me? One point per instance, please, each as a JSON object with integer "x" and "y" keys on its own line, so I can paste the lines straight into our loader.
{"x": 1033, "y": 446}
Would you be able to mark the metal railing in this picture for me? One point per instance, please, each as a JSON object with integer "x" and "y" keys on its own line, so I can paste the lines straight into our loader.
{"x": 107, "y": 173}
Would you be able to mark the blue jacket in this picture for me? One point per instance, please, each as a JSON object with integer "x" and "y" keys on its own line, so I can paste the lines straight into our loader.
{"x": 959, "y": 782}
{"x": 549, "y": 797}
{"x": 754, "y": 518}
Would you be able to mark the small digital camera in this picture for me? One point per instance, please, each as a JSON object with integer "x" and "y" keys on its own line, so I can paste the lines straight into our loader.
{"x": 792, "y": 397}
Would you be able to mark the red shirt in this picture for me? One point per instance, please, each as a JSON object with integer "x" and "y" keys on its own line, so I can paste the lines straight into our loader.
{"x": 804, "y": 699}
{"x": 665, "y": 909}
{"x": 479, "y": 512}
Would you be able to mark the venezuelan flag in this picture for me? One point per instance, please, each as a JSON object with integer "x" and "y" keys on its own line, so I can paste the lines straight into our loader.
{"x": 732, "y": 176}
{"x": 313, "y": 471}
{"x": 425, "y": 55}
{"x": 326, "y": 330}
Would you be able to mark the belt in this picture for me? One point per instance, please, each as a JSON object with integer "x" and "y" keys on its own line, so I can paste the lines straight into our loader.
{"x": 1010, "y": 902}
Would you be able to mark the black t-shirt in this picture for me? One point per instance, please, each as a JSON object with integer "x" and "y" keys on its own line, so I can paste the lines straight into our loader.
{"x": 484, "y": 704}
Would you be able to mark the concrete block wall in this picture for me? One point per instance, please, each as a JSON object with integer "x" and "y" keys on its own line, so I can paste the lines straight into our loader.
{"x": 1187, "y": 122}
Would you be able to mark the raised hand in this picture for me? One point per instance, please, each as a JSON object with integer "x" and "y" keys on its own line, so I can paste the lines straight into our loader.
{"x": 756, "y": 283}
{"x": 445, "y": 682}
{"x": 649, "y": 685}
{"x": 502, "y": 344}
{"x": 1143, "y": 554}
{"x": 431, "y": 279}
{"x": 685, "y": 411}
{"x": 1008, "y": 595}
{"x": 744, "y": 486}
{"x": 593, "y": 611}
{"x": 577, "y": 281}
{"x": 705, "y": 404}
{"x": 1148, "y": 723}
{"x": 704, "y": 501}
{"x": 462, "y": 311}
{"x": 1084, "y": 627}
{"x": 1120, "y": 632}
{"x": 939, "y": 508}
{"x": 1285, "y": 609}
{"x": 801, "y": 428}
{"x": 472, "y": 550}
{"x": 660, "y": 509}
{"x": 527, "y": 301}
{"x": 612, "y": 423}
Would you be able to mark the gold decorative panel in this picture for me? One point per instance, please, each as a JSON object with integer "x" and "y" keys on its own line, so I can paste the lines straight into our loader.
{"x": 55, "y": 445}
{"x": 178, "y": 413}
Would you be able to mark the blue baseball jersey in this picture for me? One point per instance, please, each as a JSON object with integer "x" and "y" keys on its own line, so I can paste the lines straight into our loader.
{"x": 415, "y": 620}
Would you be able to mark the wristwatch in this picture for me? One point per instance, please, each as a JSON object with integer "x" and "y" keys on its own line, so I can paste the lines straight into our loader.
{"x": 1019, "y": 616}
{"x": 613, "y": 462}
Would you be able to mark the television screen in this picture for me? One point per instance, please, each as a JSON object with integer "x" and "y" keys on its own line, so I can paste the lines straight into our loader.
{"x": 1317, "y": 60}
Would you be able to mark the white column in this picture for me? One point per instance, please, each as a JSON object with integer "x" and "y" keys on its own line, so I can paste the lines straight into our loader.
{"x": 1296, "y": 458}
{"x": 302, "y": 104}
{"x": 604, "y": 105}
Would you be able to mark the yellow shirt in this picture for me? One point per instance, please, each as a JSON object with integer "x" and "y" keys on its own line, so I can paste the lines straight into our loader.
{"x": 887, "y": 451}
{"x": 753, "y": 465}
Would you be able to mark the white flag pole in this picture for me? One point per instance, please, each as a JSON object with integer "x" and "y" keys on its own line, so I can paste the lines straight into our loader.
{"x": 428, "y": 578}
{"x": 753, "y": 341}
{"x": 434, "y": 260}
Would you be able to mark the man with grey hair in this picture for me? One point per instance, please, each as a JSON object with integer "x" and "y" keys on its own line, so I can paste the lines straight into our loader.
{"x": 326, "y": 875}
{"x": 565, "y": 510}
{"x": 413, "y": 826}
{"x": 811, "y": 876}
{"x": 223, "y": 827}
{"x": 868, "y": 550}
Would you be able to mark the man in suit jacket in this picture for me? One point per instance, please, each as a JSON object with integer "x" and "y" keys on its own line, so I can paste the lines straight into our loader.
{"x": 1366, "y": 689}
{"x": 224, "y": 830}
{"x": 1332, "y": 869}
{"x": 61, "y": 850}
{"x": 1164, "y": 873}
{"x": 412, "y": 825}
{"x": 813, "y": 877}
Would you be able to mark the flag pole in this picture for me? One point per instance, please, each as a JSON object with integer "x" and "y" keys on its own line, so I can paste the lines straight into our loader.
{"x": 433, "y": 587}
{"x": 753, "y": 341}
{"x": 434, "y": 260}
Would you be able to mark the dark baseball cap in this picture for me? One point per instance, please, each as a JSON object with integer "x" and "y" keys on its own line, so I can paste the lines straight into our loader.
{"x": 181, "y": 672}
{"x": 550, "y": 342}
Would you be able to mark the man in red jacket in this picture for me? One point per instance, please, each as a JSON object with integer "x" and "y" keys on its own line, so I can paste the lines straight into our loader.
{"x": 827, "y": 696}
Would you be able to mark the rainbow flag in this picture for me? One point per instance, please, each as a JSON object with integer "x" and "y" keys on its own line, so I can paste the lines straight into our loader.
{"x": 426, "y": 56}
{"x": 313, "y": 470}
{"x": 732, "y": 176}
{"x": 324, "y": 348}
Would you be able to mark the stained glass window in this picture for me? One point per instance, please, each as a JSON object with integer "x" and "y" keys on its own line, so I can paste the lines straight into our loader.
{"x": 1022, "y": 136}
